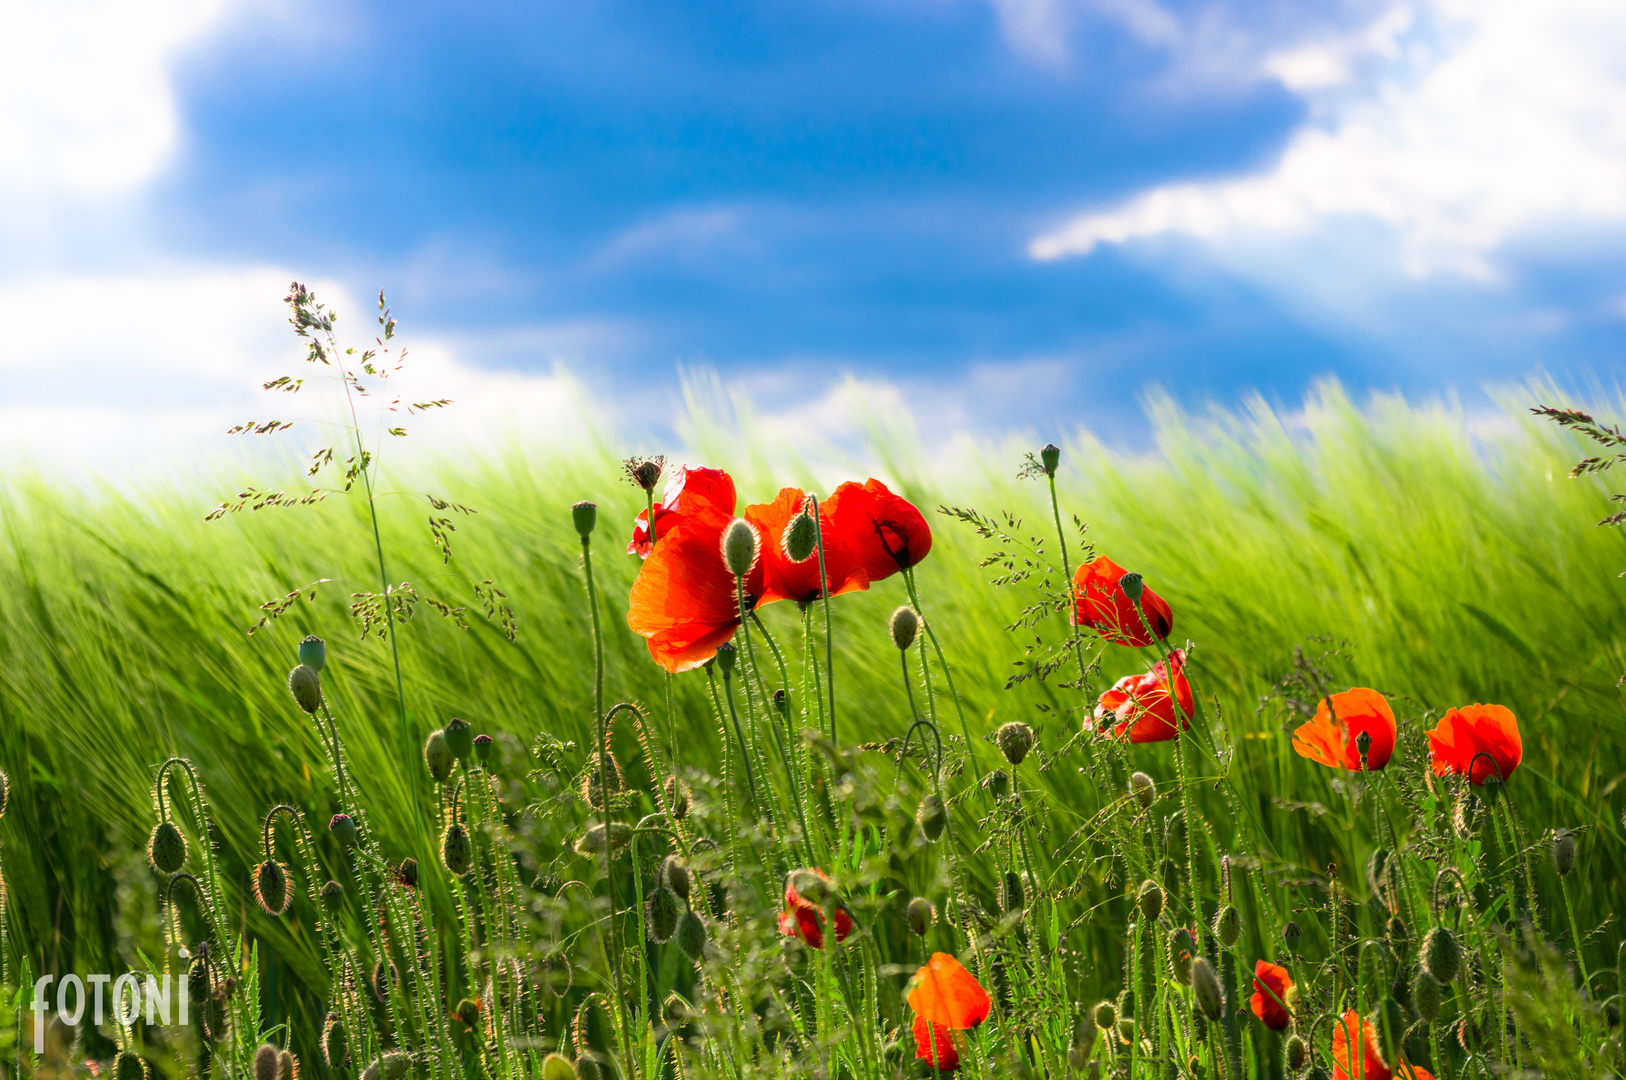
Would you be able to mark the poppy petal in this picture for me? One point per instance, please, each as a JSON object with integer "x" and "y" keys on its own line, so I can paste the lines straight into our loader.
{"x": 935, "y": 1045}
{"x": 1099, "y": 603}
{"x": 1330, "y": 737}
{"x": 786, "y": 580}
{"x": 1272, "y": 986}
{"x": 945, "y": 993}
{"x": 885, "y": 532}
{"x": 1462, "y": 735}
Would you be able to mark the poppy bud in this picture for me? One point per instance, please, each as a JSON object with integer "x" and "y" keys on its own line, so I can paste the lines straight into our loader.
{"x": 800, "y": 538}
{"x": 584, "y": 515}
{"x": 661, "y": 914}
{"x": 265, "y": 1063}
{"x": 1182, "y": 950}
{"x": 1049, "y": 457}
{"x": 931, "y": 817}
{"x": 1143, "y": 788}
{"x": 1442, "y": 957}
{"x": 592, "y": 841}
{"x": 1399, "y": 938}
{"x": 1105, "y": 1014}
{"x": 675, "y": 876}
{"x": 920, "y": 915}
{"x": 456, "y": 852}
{"x": 691, "y": 936}
{"x": 197, "y": 981}
{"x": 484, "y": 746}
{"x": 1205, "y": 987}
{"x": 287, "y": 1065}
{"x": 1564, "y": 851}
{"x": 335, "y": 1047}
{"x": 1376, "y": 865}
{"x": 306, "y": 687}
{"x": 129, "y": 1066}
{"x": 677, "y": 797}
{"x": 1014, "y": 740}
{"x": 1290, "y": 933}
{"x": 1425, "y": 996}
{"x": 343, "y": 828}
{"x": 1011, "y": 894}
{"x": 726, "y": 655}
{"x": 1149, "y": 900}
{"x": 739, "y": 547}
{"x": 1126, "y": 1030}
{"x": 558, "y": 1067}
{"x": 271, "y": 887}
{"x": 1133, "y": 586}
{"x": 904, "y": 626}
{"x": 406, "y": 874}
{"x": 459, "y": 738}
{"x": 166, "y": 848}
{"x": 1295, "y": 1055}
{"x": 591, "y": 781}
{"x": 1228, "y": 925}
{"x": 1389, "y": 1022}
{"x": 313, "y": 653}
{"x": 332, "y": 895}
{"x": 674, "y": 1010}
{"x": 438, "y": 757}
{"x": 1491, "y": 788}
{"x": 588, "y": 1068}
{"x": 395, "y": 1064}
{"x": 997, "y": 783}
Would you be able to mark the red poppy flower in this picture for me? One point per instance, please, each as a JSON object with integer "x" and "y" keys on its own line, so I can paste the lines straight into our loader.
{"x": 885, "y": 531}
{"x": 690, "y": 491}
{"x": 945, "y": 993}
{"x": 1099, "y": 603}
{"x": 1464, "y": 733}
{"x": 1272, "y": 994}
{"x": 1365, "y": 1062}
{"x": 786, "y": 580}
{"x": 934, "y": 1044}
{"x": 804, "y": 919}
{"x": 1140, "y": 706}
{"x": 1330, "y": 736}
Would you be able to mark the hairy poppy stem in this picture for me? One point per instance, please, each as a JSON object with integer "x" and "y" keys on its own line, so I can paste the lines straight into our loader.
{"x": 948, "y": 675}
{"x": 1067, "y": 575}
{"x": 824, "y": 598}
{"x": 745, "y": 753}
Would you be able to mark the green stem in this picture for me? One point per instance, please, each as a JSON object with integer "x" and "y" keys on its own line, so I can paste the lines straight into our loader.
{"x": 948, "y": 674}
{"x": 824, "y": 597}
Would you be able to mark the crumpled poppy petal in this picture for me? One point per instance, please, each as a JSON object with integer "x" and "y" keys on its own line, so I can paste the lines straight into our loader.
{"x": 786, "y": 580}
{"x": 1464, "y": 733}
{"x": 885, "y": 532}
{"x": 1100, "y": 604}
{"x": 691, "y": 491}
{"x": 1355, "y": 1053}
{"x": 1139, "y": 708}
{"x": 945, "y": 993}
{"x": 934, "y": 1045}
{"x": 1330, "y": 736}
{"x": 1271, "y": 988}
{"x": 684, "y": 599}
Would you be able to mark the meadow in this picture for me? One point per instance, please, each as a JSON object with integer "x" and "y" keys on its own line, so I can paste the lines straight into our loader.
{"x": 1382, "y": 544}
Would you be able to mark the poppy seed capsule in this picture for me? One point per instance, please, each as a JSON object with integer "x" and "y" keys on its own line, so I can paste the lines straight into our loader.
{"x": 1564, "y": 851}
{"x": 997, "y": 783}
{"x": 1049, "y": 457}
{"x": 313, "y": 653}
{"x": 1290, "y": 933}
{"x": 904, "y": 626}
{"x": 739, "y": 547}
{"x": 691, "y": 936}
{"x": 483, "y": 749}
{"x": 271, "y": 887}
{"x": 343, "y": 828}
{"x": 166, "y": 848}
{"x": 931, "y": 817}
{"x": 456, "y": 852}
{"x": 1105, "y": 1014}
{"x": 1205, "y": 987}
{"x": 265, "y": 1063}
{"x": 675, "y": 876}
{"x": 920, "y": 915}
{"x": 1228, "y": 925}
{"x": 129, "y": 1066}
{"x": 800, "y": 538}
{"x": 335, "y": 1046}
{"x": 306, "y": 687}
{"x": 332, "y": 895}
{"x": 677, "y": 797}
{"x": 1296, "y": 1054}
{"x": 558, "y": 1067}
{"x": 1014, "y": 740}
{"x": 661, "y": 912}
{"x": 1182, "y": 950}
{"x": 584, "y": 515}
{"x": 726, "y": 655}
{"x": 1144, "y": 788}
{"x": 437, "y": 757}
{"x": 459, "y": 738}
{"x": 1442, "y": 957}
{"x": 1425, "y": 996}
{"x": 1133, "y": 586}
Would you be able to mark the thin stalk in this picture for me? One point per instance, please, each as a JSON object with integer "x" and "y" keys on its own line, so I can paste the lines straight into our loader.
{"x": 1067, "y": 573}
{"x": 948, "y": 674}
{"x": 824, "y": 597}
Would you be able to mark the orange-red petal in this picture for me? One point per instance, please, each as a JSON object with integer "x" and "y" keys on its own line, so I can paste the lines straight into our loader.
{"x": 1139, "y": 708}
{"x": 945, "y": 993}
{"x": 1099, "y": 603}
{"x": 684, "y": 599}
{"x": 1330, "y": 736}
{"x": 1463, "y": 734}
{"x": 804, "y": 919}
{"x": 934, "y": 1044}
{"x": 786, "y": 580}
{"x": 1355, "y": 1050}
{"x": 1272, "y": 986}
{"x": 690, "y": 491}
{"x": 885, "y": 532}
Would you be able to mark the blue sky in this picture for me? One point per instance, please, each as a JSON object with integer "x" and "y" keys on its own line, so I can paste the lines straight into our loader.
{"x": 995, "y": 213}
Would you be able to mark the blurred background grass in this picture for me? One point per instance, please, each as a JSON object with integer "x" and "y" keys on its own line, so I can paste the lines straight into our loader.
{"x": 1454, "y": 557}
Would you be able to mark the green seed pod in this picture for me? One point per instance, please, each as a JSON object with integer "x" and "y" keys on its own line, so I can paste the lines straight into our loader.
{"x": 1014, "y": 740}
{"x": 920, "y": 915}
{"x": 271, "y": 886}
{"x": 1182, "y": 951}
{"x": 997, "y": 783}
{"x": 1205, "y": 987}
{"x": 1426, "y": 996}
{"x": 406, "y": 873}
{"x": 661, "y": 914}
{"x": 739, "y": 547}
{"x": 335, "y": 1044}
{"x": 438, "y": 757}
{"x": 313, "y": 653}
{"x": 1388, "y": 1020}
{"x": 287, "y": 1065}
{"x": 1228, "y": 925}
{"x": 677, "y": 797}
{"x": 332, "y": 895}
{"x": 265, "y": 1062}
{"x": 1105, "y": 1015}
{"x": 1132, "y": 586}
{"x": 584, "y": 515}
{"x": 1144, "y": 788}
{"x": 932, "y": 817}
{"x": 459, "y": 738}
{"x": 1049, "y": 457}
{"x": 1012, "y": 897}
{"x": 456, "y": 850}
{"x": 1295, "y": 1055}
{"x": 1150, "y": 901}
{"x": 592, "y": 841}
{"x": 588, "y": 1068}
{"x": 1399, "y": 938}
{"x": 904, "y": 626}
{"x": 727, "y": 655}
{"x": 128, "y": 1065}
{"x": 558, "y": 1067}
{"x": 1290, "y": 933}
{"x": 691, "y": 936}
{"x": 1442, "y": 956}
{"x": 801, "y": 536}
{"x": 485, "y": 749}
{"x": 166, "y": 848}
{"x": 1564, "y": 852}
{"x": 306, "y": 687}
{"x": 675, "y": 876}
{"x": 343, "y": 828}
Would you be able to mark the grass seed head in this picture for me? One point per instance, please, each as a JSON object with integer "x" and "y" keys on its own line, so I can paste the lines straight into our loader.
{"x": 1205, "y": 987}
{"x": 271, "y": 886}
{"x": 306, "y": 686}
{"x": 920, "y": 915}
{"x": 1442, "y": 956}
{"x": 739, "y": 547}
{"x": 1014, "y": 740}
{"x": 166, "y": 848}
{"x": 904, "y": 625}
{"x": 437, "y": 757}
{"x": 584, "y": 515}
{"x": 1144, "y": 788}
{"x": 661, "y": 912}
{"x": 459, "y": 738}
{"x": 456, "y": 851}
{"x": 313, "y": 653}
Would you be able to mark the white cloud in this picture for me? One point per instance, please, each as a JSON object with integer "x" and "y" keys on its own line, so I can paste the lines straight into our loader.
{"x": 1460, "y": 130}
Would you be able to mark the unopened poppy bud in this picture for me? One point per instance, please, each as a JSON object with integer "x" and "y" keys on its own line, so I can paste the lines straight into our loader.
{"x": 1014, "y": 740}
{"x": 1388, "y": 1020}
{"x": 739, "y": 547}
{"x": 931, "y": 817}
{"x": 459, "y": 738}
{"x": 484, "y": 747}
{"x": 1105, "y": 1014}
{"x": 1011, "y": 894}
{"x": 727, "y": 654}
{"x": 691, "y": 936}
{"x": 166, "y": 848}
{"x": 343, "y": 828}
{"x": 584, "y": 515}
{"x": 265, "y": 1063}
{"x": 128, "y": 1065}
{"x": 674, "y": 1010}
{"x": 558, "y": 1067}
{"x": 406, "y": 874}
{"x": 920, "y": 915}
{"x": 1296, "y": 1054}
{"x": 1126, "y": 1030}
{"x": 677, "y": 797}
{"x": 271, "y": 887}
{"x": 306, "y": 687}
{"x": 1441, "y": 956}
{"x": 1205, "y": 987}
{"x": 661, "y": 913}
{"x": 383, "y": 979}
{"x": 997, "y": 783}
{"x": 456, "y": 851}
{"x": 313, "y": 653}
{"x": 675, "y": 876}
{"x": 1228, "y": 925}
{"x": 1564, "y": 851}
{"x": 335, "y": 1045}
{"x": 588, "y": 1068}
{"x": 904, "y": 626}
{"x": 287, "y": 1065}
{"x": 1399, "y": 938}
{"x": 781, "y": 701}
{"x": 1133, "y": 586}
{"x": 1149, "y": 900}
{"x": 1182, "y": 951}
{"x": 1049, "y": 457}
{"x": 1291, "y": 932}
{"x": 437, "y": 756}
{"x": 801, "y": 538}
{"x": 1426, "y": 996}
{"x": 592, "y": 841}
{"x": 1144, "y": 788}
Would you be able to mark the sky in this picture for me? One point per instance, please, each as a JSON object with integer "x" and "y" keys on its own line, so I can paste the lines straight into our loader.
{"x": 982, "y": 215}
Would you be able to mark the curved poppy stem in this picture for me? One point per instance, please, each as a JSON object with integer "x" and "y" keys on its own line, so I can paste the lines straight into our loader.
{"x": 948, "y": 675}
